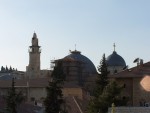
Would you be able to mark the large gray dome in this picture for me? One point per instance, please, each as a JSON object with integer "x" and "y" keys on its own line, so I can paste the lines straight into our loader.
{"x": 115, "y": 60}
{"x": 88, "y": 65}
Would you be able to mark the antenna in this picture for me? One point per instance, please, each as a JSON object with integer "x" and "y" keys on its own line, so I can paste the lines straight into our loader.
{"x": 52, "y": 63}
{"x": 69, "y": 51}
{"x": 75, "y": 47}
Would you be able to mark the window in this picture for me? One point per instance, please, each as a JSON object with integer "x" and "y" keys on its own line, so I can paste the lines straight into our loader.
{"x": 32, "y": 99}
{"x": 124, "y": 85}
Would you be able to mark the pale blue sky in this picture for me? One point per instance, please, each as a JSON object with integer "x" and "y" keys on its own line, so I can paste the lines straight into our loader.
{"x": 93, "y": 25}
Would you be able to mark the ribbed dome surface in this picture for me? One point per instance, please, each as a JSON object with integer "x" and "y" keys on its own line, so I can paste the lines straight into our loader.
{"x": 115, "y": 60}
{"x": 88, "y": 65}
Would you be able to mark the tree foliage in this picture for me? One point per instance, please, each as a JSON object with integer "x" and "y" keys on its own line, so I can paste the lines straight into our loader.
{"x": 106, "y": 92}
{"x": 54, "y": 99}
{"x": 102, "y": 78}
{"x": 111, "y": 94}
{"x": 13, "y": 99}
{"x": 58, "y": 73}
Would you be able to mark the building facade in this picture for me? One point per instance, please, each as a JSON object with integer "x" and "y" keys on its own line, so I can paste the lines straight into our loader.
{"x": 136, "y": 83}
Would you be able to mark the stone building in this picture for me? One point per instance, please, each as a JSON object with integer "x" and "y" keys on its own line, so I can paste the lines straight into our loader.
{"x": 79, "y": 70}
{"x": 136, "y": 82}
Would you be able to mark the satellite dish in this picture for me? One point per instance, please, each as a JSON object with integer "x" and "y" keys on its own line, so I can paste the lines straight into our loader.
{"x": 136, "y": 60}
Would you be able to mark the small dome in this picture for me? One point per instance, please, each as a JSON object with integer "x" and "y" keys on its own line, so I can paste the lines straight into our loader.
{"x": 77, "y": 56}
{"x": 115, "y": 60}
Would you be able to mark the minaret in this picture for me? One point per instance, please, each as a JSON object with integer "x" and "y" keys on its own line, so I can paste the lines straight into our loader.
{"x": 33, "y": 69}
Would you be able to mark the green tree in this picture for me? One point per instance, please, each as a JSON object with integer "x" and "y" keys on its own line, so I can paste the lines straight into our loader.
{"x": 10, "y": 69}
{"x": 54, "y": 99}
{"x": 111, "y": 94}
{"x": 58, "y": 73}
{"x": 101, "y": 83}
{"x": 13, "y": 99}
{"x": 7, "y": 69}
{"x": 102, "y": 78}
{"x": 2, "y": 69}
{"x": 105, "y": 92}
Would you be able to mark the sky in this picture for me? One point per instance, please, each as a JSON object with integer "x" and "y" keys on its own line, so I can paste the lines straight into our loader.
{"x": 92, "y": 25}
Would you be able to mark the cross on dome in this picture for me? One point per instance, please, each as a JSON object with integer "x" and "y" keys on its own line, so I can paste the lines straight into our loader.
{"x": 114, "y": 46}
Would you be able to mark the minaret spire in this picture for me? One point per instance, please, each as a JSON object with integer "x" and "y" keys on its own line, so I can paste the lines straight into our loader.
{"x": 34, "y": 40}
{"x": 114, "y": 46}
{"x": 34, "y": 35}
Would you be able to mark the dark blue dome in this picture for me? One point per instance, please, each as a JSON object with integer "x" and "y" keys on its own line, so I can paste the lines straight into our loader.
{"x": 88, "y": 67}
{"x": 115, "y": 60}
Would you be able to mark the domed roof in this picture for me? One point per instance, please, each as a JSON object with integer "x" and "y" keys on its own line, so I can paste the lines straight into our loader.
{"x": 77, "y": 56}
{"x": 115, "y": 60}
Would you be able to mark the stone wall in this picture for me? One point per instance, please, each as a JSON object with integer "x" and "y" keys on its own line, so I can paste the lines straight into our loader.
{"x": 131, "y": 110}
{"x": 36, "y": 93}
{"x": 141, "y": 96}
{"x": 77, "y": 92}
{"x": 134, "y": 90}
